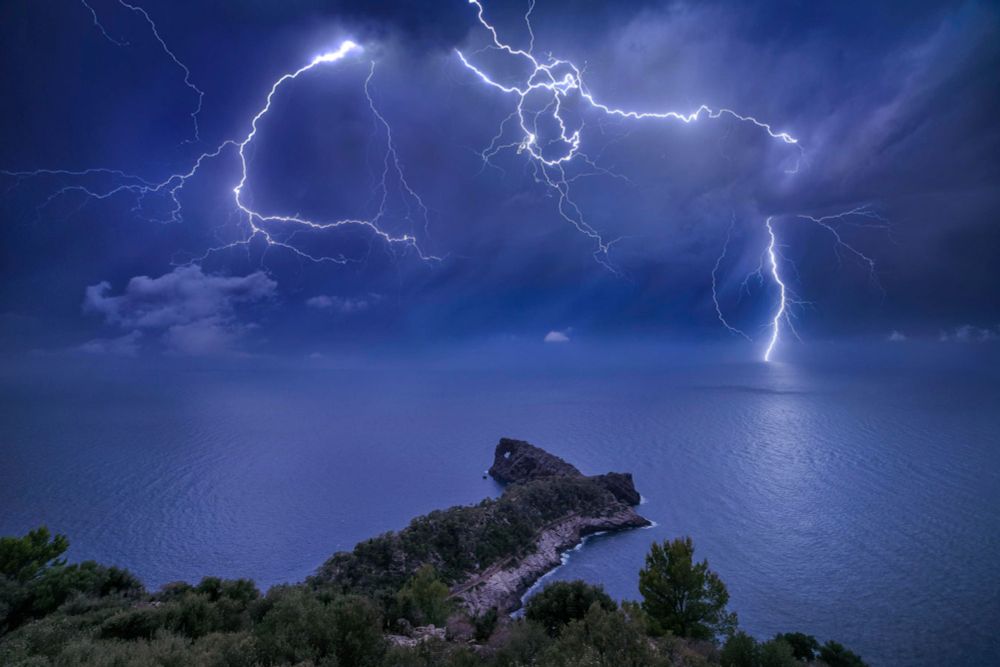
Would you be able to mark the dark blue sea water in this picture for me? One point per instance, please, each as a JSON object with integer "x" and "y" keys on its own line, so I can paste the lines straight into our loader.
{"x": 846, "y": 499}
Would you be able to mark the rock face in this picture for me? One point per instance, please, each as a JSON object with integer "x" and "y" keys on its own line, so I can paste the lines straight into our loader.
{"x": 491, "y": 553}
{"x": 503, "y": 584}
{"x": 519, "y": 461}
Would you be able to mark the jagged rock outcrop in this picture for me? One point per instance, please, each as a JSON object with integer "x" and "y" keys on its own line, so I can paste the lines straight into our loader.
{"x": 520, "y": 461}
{"x": 491, "y": 553}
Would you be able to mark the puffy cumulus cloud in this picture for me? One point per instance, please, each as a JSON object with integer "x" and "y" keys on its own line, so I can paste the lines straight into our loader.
{"x": 180, "y": 297}
{"x": 343, "y": 304}
{"x": 557, "y": 337}
{"x": 968, "y": 333}
{"x": 196, "y": 312}
{"x": 122, "y": 346}
{"x": 896, "y": 337}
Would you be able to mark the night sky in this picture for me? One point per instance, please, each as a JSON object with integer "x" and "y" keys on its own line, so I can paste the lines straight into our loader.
{"x": 894, "y": 106}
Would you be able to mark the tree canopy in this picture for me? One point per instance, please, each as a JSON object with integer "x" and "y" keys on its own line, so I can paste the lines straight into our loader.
{"x": 682, "y": 597}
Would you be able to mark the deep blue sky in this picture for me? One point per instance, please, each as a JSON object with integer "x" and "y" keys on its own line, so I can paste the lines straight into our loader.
{"x": 895, "y": 106}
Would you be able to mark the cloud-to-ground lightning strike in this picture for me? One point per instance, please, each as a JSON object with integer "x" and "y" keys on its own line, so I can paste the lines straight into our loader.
{"x": 786, "y": 300}
{"x": 261, "y": 225}
{"x": 560, "y": 79}
{"x": 780, "y": 312}
{"x": 558, "y": 83}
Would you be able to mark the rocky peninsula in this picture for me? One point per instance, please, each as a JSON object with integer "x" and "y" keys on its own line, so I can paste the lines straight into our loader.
{"x": 491, "y": 553}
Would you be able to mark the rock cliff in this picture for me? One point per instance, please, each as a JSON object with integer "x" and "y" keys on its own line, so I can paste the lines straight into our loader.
{"x": 491, "y": 553}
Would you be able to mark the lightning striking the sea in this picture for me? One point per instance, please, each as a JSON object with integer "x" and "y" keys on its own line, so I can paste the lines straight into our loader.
{"x": 545, "y": 124}
{"x": 561, "y": 82}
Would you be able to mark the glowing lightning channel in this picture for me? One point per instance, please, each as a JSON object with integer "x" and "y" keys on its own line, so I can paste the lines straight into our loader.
{"x": 166, "y": 49}
{"x": 561, "y": 79}
{"x": 100, "y": 26}
{"x": 715, "y": 294}
{"x": 779, "y": 314}
{"x": 260, "y": 223}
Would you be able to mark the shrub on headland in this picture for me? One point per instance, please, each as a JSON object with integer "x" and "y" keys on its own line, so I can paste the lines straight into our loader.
{"x": 54, "y": 614}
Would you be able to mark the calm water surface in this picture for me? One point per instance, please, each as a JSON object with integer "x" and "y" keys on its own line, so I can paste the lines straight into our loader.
{"x": 861, "y": 505}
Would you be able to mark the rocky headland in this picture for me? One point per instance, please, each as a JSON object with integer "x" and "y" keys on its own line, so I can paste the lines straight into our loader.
{"x": 491, "y": 553}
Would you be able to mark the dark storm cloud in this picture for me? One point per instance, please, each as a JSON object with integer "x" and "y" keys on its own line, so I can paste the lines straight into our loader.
{"x": 895, "y": 105}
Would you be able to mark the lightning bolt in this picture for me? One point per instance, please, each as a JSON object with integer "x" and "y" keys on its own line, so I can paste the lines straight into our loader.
{"x": 540, "y": 102}
{"x": 562, "y": 82}
{"x": 715, "y": 294}
{"x": 199, "y": 93}
{"x": 273, "y": 228}
{"x": 777, "y": 265}
{"x": 781, "y": 311}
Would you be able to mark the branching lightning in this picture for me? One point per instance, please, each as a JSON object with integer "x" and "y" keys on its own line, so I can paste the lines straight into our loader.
{"x": 561, "y": 80}
{"x": 275, "y": 229}
{"x": 542, "y": 100}
{"x": 200, "y": 94}
{"x": 715, "y": 292}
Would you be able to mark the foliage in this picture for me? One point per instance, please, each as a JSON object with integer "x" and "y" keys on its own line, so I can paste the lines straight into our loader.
{"x": 423, "y": 600}
{"x": 23, "y": 558}
{"x": 35, "y": 581}
{"x": 95, "y": 616}
{"x": 804, "y": 647}
{"x": 485, "y": 624}
{"x": 602, "y": 638}
{"x": 836, "y": 655}
{"x": 462, "y": 539}
{"x": 682, "y": 597}
{"x": 740, "y": 650}
{"x": 564, "y": 601}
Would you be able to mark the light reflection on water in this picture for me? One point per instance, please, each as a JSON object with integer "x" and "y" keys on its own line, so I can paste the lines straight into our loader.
{"x": 857, "y": 505}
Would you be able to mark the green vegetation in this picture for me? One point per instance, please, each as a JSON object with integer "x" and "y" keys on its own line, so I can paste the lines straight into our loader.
{"x": 56, "y": 614}
{"x": 423, "y": 600}
{"x": 682, "y": 597}
{"x": 563, "y": 602}
{"x": 462, "y": 539}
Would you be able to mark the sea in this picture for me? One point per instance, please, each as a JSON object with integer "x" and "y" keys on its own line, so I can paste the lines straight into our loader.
{"x": 852, "y": 494}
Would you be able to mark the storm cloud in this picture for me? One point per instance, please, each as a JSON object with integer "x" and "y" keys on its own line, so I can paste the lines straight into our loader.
{"x": 894, "y": 106}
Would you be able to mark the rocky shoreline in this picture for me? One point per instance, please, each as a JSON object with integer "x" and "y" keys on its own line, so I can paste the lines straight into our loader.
{"x": 503, "y": 585}
{"x": 490, "y": 554}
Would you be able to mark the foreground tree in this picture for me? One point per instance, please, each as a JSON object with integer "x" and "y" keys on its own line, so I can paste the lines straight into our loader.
{"x": 682, "y": 597}
{"x": 565, "y": 601}
{"x": 837, "y": 655}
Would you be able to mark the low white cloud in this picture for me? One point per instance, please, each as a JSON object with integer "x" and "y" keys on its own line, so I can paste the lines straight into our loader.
{"x": 896, "y": 337}
{"x": 968, "y": 333}
{"x": 342, "y": 304}
{"x": 195, "y": 311}
{"x": 557, "y": 337}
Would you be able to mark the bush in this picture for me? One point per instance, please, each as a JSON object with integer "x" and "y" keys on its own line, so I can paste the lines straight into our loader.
{"x": 298, "y": 627}
{"x": 777, "y": 653}
{"x": 804, "y": 647}
{"x": 603, "y": 638}
{"x": 423, "y": 600}
{"x": 564, "y": 601}
{"x": 485, "y": 624}
{"x": 740, "y": 650}
{"x": 836, "y": 655}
